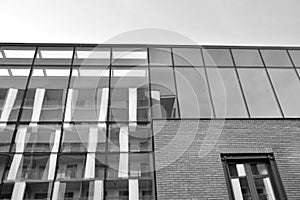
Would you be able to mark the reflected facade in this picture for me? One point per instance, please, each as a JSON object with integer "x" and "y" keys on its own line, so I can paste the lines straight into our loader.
{"x": 76, "y": 120}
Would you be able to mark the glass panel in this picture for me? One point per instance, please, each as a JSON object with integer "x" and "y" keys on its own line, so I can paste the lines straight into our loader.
{"x": 132, "y": 137}
{"x": 295, "y": 54}
{"x": 161, "y": 56}
{"x": 145, "y": 189}
{"x": 37, "y": 138}
{"x": 54, "y": 56}
{"x": 84, "y": 138}
{"x": 116, "y": 190}
{"x": 129, "y": 56}
{"x": 141, "y": 165}
{"x": 129, "y": 94}
{"x": 217, "y": 57}
{"x": 258, "y": 92}
{"x": 92, "y": 56}
{"x": 232, "y": 170}
{"x": 71, "y": 166}
{"x": 117, "y": 166}
{"x": 45, "y": 98}
{"x": 100, "y": 166}
{"x": 247, "y": 57}
{"x": 276, "y": 58}
{"x": 187, "y": 57}
{"x": 6, "y": 134}
{"x": 37, "y": 191}
{"x": 16, "y": 55}
{"x": 88, "y": 96}
{"x": 264, "y": 189}
{"x": 287, "y": 87}
{"x": 164, "y": 103}
{"x": 241, "y": 189}
{"x": 226, "y": 93}
{"x": 259, "y": 169}
{"x": 7, "y": 191}
{"x": 77, "y": 190}
{"x": 3, "y": 160}
{"x": 12, "y": 85}
{"x": 193, "y": 93}
{"x": 28, "y": 167}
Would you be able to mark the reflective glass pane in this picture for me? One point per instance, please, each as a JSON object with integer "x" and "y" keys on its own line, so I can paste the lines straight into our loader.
{"x": 145, "y": 189}
{"x": 88, "y": 94}
{"x": 76, "y": 190}
{"x": 259, "y": 169}
{"x": 187, "y": 57}
{"x": 71, "y": 166}
{"x": 37, "y": 138}
{"x": 129, "y": 137}
{"x": 129, "y": 56}
{"x": 141, "y": 165}
{"x": 37, "y": 191}
{"x": 258, "y": 92}
{"x": 117, "y": 189}
{"x": 217, "y": 57}
{"x": 16, "y": 55}
{"x": 276, "y": 58}
{"x": 264, "y": 189}
{"x": 226, "y": 93}
{"x": 46, "y": 94}
{"x": 118, "y": 165}
{"x": 163, "y": 93}
{"x": 3, "y": 160}
{"x": 54, "y": 56}
{"x": 12, "y": 85}
{"x": 193, "y": 93}
{"x": 295, "y": 54}
{"x": 240, "y": 189}
{"x": 287, "y": 87}
{"x": 6, "y": 134}
{"x": 247, "y": 57}
{"x": 30, "y": 167}
{"x": 84, "y": 137}
{"x": 92, "y": 56}
{"x": 160, "y": 56}
{"x": 129, "y": 94}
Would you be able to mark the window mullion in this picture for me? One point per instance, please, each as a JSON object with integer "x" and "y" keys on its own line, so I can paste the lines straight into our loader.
{"x": 251, "y": 182}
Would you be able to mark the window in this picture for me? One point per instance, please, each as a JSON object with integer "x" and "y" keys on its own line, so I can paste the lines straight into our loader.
{"x": 252, "y": 177}
{"x": 247, "y": 57}
{"x": 54, "y": 56}
{"x": 295, "y": 54}
{"x": 91, "y": 56}
{"x": 217, "y": 57}
{"x": 187, "y": 57}
{"x": 129, "y": 56}
{"x": 276, "y": 58}
{"x": 16, "y": 55}
{"x": 160, "y": 57}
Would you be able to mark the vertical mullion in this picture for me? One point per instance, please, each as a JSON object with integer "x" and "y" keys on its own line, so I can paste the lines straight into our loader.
{"x": 208, "y": 85}
{"x": 107, "y": 122}
{"x": 251, "y": 182}
{"x": 149, "y": 79}
{"x": 278, "y": 189}
{"x": 240, "y": 84}
{"x": 63, "y": 120}
{"x": 175, "y": 83}
{"x": 272, "y": 86}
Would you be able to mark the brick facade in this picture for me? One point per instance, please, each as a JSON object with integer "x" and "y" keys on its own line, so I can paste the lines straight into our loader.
{"x": 188, "y": 162}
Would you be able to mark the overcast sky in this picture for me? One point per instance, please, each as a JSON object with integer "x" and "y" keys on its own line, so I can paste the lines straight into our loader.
{"x": 253, "y": 22}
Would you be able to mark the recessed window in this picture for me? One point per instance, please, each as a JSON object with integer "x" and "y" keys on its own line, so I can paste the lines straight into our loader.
{"x": 252, "y": 177}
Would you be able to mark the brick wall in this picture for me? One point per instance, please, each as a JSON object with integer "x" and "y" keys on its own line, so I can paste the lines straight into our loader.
{"x": 187, "y": 154}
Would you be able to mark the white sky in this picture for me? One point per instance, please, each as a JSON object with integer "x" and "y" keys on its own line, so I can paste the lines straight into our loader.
{"x": 253, "y": 22}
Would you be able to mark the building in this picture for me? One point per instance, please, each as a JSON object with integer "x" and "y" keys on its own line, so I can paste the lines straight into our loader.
{"x": 149, "y": 122}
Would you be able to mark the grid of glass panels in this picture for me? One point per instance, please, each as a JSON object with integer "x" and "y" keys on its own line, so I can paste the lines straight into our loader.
{"x": 75, "y": 121}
